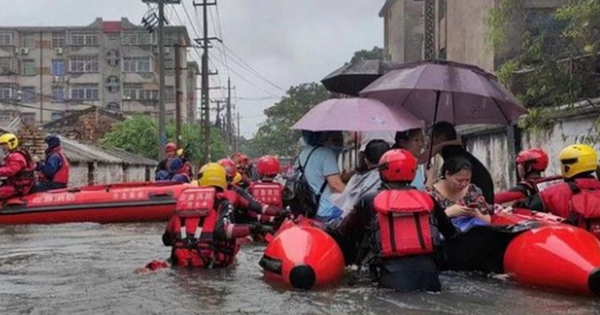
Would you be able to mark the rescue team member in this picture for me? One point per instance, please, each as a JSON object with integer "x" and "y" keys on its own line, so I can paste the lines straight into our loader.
{"x": 266, "y": 190}
{"x": 578, "y": 196}
{"x": 202, "y": 232}
{"x": 178, "y": 171}
{"x": 244, "y": 167}
{"x": 187, "y": 166}
{"x": 531, "y": 164}
{"x": 247, "y": 208}
{"x": 403, "y": 234}
{"x": 18, "y": 168}
{"x": 170, "y": 149}
{"x": 54, "y": 171}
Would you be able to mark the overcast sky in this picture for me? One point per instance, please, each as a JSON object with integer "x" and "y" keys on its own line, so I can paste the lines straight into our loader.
{"x": 288, "y": 42}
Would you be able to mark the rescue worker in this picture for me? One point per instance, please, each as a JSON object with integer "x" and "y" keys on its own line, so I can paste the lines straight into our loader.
{"x": 245, "y": 168}
{"x": 247, "y": 208}
{"x": 577, "y": 198}
{"x": 177, "y": 170}
{"x": 54, "y": 171}
{"x": 182, "y": 154}
{"x": 202, "y": 232}
{"x": 170, "y": 151}
{"x": 403, "y": 236}
{"x": 531, "y": 164}
{"x": 18, "y": 167}
{"x": 267, "y": 191}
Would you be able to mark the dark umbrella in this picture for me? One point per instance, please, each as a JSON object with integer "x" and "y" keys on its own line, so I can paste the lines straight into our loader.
{"x": 447, "y": 91}
{"x": 353, "y": 77}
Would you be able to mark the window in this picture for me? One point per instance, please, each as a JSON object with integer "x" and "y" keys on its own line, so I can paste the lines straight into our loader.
{"x": 81, "y": 64}
{"x": 112, "y": 57}
{"x": 136, "y": 38}
{"x": 58, "y": 94}
{"x": 84, "y": 92}
{"x": 6, "y": 39}
{"x": 28, "y": 118}
{"x": 28, "y": 39}
{"x": 28, "y": 94}
{"x": 84, "y": 39}
{"x": 6, "y": 92}
{"x": 6, "y": 116}
{"x": 58, "y": 39}
{"x": 8, "y": 65}
{"x": 169, "y": 67}
{"x": 112, "y": 84}
{"x": 113, "y": 106}
{"x": 56, "y": 115}
{"x": 130, "y": 91}
{"x": 58, "y": 67}
{"x": 170, "y": 94}
{"x": 148, "y": 94}
{"x": 137, "y": 64}
{"x": 29, "y": 67}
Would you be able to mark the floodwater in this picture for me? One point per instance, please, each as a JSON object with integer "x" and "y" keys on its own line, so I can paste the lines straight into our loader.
{"x": 89, "y": 269}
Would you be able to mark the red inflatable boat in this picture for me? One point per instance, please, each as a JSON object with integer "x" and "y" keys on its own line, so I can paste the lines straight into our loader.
{"x": 126, "y": 202}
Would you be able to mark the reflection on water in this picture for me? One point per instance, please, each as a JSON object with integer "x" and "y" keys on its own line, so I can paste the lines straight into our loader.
{"x": 88, "y": 269}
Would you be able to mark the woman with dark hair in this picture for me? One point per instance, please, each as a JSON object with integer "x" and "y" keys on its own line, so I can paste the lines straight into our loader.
{"x": 463, "y": 202}
{"x": 363, "y": 182}
{"x": 413, "y": 141}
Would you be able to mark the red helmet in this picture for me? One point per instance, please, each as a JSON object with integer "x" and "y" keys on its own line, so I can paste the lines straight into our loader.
{"x": 170, "y": 147}
{"x": 536, "y": 159}
{"x": 229, "y": 166}
{"x": 397, "y": 165}
{"x": 268, "y": 165}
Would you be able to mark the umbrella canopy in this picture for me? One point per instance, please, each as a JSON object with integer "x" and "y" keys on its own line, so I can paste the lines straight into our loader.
{"x": 447, "y": 91}
{"x": 353, "y": 77}
{"x": 356, "y": 114}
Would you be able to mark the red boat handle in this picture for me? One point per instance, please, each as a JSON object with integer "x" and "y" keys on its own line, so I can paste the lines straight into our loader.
{"x": 160, "y": 194}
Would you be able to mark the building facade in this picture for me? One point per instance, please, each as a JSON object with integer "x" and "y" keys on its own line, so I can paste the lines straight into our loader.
{"x": 46, "y": 72}
{"x": 461, "y": 29}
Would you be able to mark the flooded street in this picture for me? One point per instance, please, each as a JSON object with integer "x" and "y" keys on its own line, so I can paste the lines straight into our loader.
{"x": 89, "y": 269}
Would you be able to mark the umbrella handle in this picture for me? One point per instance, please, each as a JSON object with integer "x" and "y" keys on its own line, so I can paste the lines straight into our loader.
{"x": 435, "y": 114}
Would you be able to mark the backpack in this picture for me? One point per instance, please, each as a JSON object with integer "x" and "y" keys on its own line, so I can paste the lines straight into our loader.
{"x": 585, "y": 209}
{"x": 297, "y": 194}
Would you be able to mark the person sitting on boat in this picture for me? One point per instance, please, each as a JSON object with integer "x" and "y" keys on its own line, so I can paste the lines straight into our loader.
{"x": 203, "y": 232}
{"x": 183, "y": 155}
{"x": 18, "y": 168}
{"x": 579, "y": 193}
{"x": 170, "y": 151}
{"x": 461, "y": 200}
{"x": 53, "y": 173}
{"x": 404, "y": 230}
{"x": 446, "y": 143}
{"x": 247, "y": 208}
{"x": 365, "y": 181}
{"x": 177, "y": 170}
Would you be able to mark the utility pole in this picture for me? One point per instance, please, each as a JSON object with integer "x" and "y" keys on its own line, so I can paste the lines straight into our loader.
{"x": 238, "y": 131}
{"x": 162, "y": 136}
{"x": 229, "y": 129}
{"x": 178, "y": 94}
{"x": 218, "y": 122}
{"x": 205, "y": 101}
{"x": 429, "y": 45}
{"x": 41, "y": 94}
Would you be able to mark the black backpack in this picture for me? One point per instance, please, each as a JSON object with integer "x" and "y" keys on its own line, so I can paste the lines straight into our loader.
{"x": 297, "y": 194}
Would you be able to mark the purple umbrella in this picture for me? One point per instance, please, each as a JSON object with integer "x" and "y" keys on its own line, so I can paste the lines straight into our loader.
{"x": 447, "y": 91}
{"x": 356, "y": 114}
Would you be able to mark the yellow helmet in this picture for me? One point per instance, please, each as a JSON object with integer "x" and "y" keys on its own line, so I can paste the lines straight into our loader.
{"x": 10, "y": 140}
{"x": 237, "y": 179}
{"x": 194, "y": 183}
{"x": 212, "y": 174}
{"x": 578, "y": 159}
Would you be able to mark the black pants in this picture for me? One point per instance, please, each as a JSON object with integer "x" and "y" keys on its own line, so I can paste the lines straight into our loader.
{"x": 47, "y": 185}
{"x": 418, "y": 273}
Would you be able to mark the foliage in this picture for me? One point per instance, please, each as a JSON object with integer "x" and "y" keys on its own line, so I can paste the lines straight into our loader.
{"x": 274, "y": 136}
{"x": 374, "y": 53}
{"x": 139, "y": 135}
{"x": 557, "y": 61}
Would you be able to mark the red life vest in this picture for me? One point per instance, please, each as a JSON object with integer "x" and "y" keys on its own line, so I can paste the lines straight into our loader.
{"x": 404, "y": 220}
{"x": 62, "y": 175}
{"x": 577, "y": 201}
{"x": 540, "y": 184}
{"x": 24, "y": 180}
{"x": 195, "y": 221}
{"x": 267, "y": 193}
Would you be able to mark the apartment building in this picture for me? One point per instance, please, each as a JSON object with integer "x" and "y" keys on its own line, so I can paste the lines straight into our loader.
{"x": 461, "y": 29}
{"x": 46, "y": 72}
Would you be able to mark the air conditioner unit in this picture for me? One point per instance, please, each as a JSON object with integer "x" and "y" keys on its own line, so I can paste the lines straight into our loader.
{"x": 24, "y": 51}
{"x": 58, "y": 50}
{"x": 167, "y": 50}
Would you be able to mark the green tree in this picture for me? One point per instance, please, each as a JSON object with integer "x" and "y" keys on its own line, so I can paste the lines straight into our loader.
{"x": 374, "y": 53}
{"x": 557, "y": 61}
{"x": 139, "y": 135}
{"x": 274, "y": 136}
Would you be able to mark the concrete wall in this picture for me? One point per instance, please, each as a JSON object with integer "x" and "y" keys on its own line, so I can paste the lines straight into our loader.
{"x": 106, "y": 173}
{"x": 403, "y": 28}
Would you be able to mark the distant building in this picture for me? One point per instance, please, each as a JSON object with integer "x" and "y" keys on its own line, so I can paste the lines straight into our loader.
{"x": 109, "y": 64}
